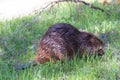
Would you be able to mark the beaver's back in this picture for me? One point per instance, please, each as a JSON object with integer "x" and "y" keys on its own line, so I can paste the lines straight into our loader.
{"x": 57, "y": 42}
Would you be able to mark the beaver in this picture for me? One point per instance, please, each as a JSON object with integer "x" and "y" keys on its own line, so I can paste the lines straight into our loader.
{"x": 63, "y": 40}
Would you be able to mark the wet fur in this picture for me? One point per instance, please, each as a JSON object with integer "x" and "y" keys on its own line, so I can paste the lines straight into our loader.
{"x": 62, "y": 40}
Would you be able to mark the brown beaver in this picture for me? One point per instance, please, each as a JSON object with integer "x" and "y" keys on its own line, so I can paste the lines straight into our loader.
{"x": 62, "y": 40}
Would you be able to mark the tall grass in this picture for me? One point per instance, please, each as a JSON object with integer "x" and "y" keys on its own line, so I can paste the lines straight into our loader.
{"x": 18, "y": 43}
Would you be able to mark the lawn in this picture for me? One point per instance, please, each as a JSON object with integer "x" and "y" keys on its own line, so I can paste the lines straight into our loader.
{"x": 19, "y": 38}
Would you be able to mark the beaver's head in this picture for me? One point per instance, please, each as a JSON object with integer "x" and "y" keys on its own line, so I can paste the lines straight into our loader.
{"x": 95, "y": 45}
{"x": 91, "y": 44}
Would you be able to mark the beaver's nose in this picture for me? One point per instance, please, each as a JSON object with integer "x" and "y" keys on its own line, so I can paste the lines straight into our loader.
{"x": 101, "y": 52}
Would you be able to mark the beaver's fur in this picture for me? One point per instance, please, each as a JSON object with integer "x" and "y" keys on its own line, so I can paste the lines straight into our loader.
{"x": 63, "y": 40}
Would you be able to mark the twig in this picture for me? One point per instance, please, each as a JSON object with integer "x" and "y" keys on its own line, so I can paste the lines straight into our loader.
{"x": 51, "y": 4}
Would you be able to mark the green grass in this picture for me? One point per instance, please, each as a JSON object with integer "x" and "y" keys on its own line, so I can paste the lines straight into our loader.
{"x": 18, "y": 44}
